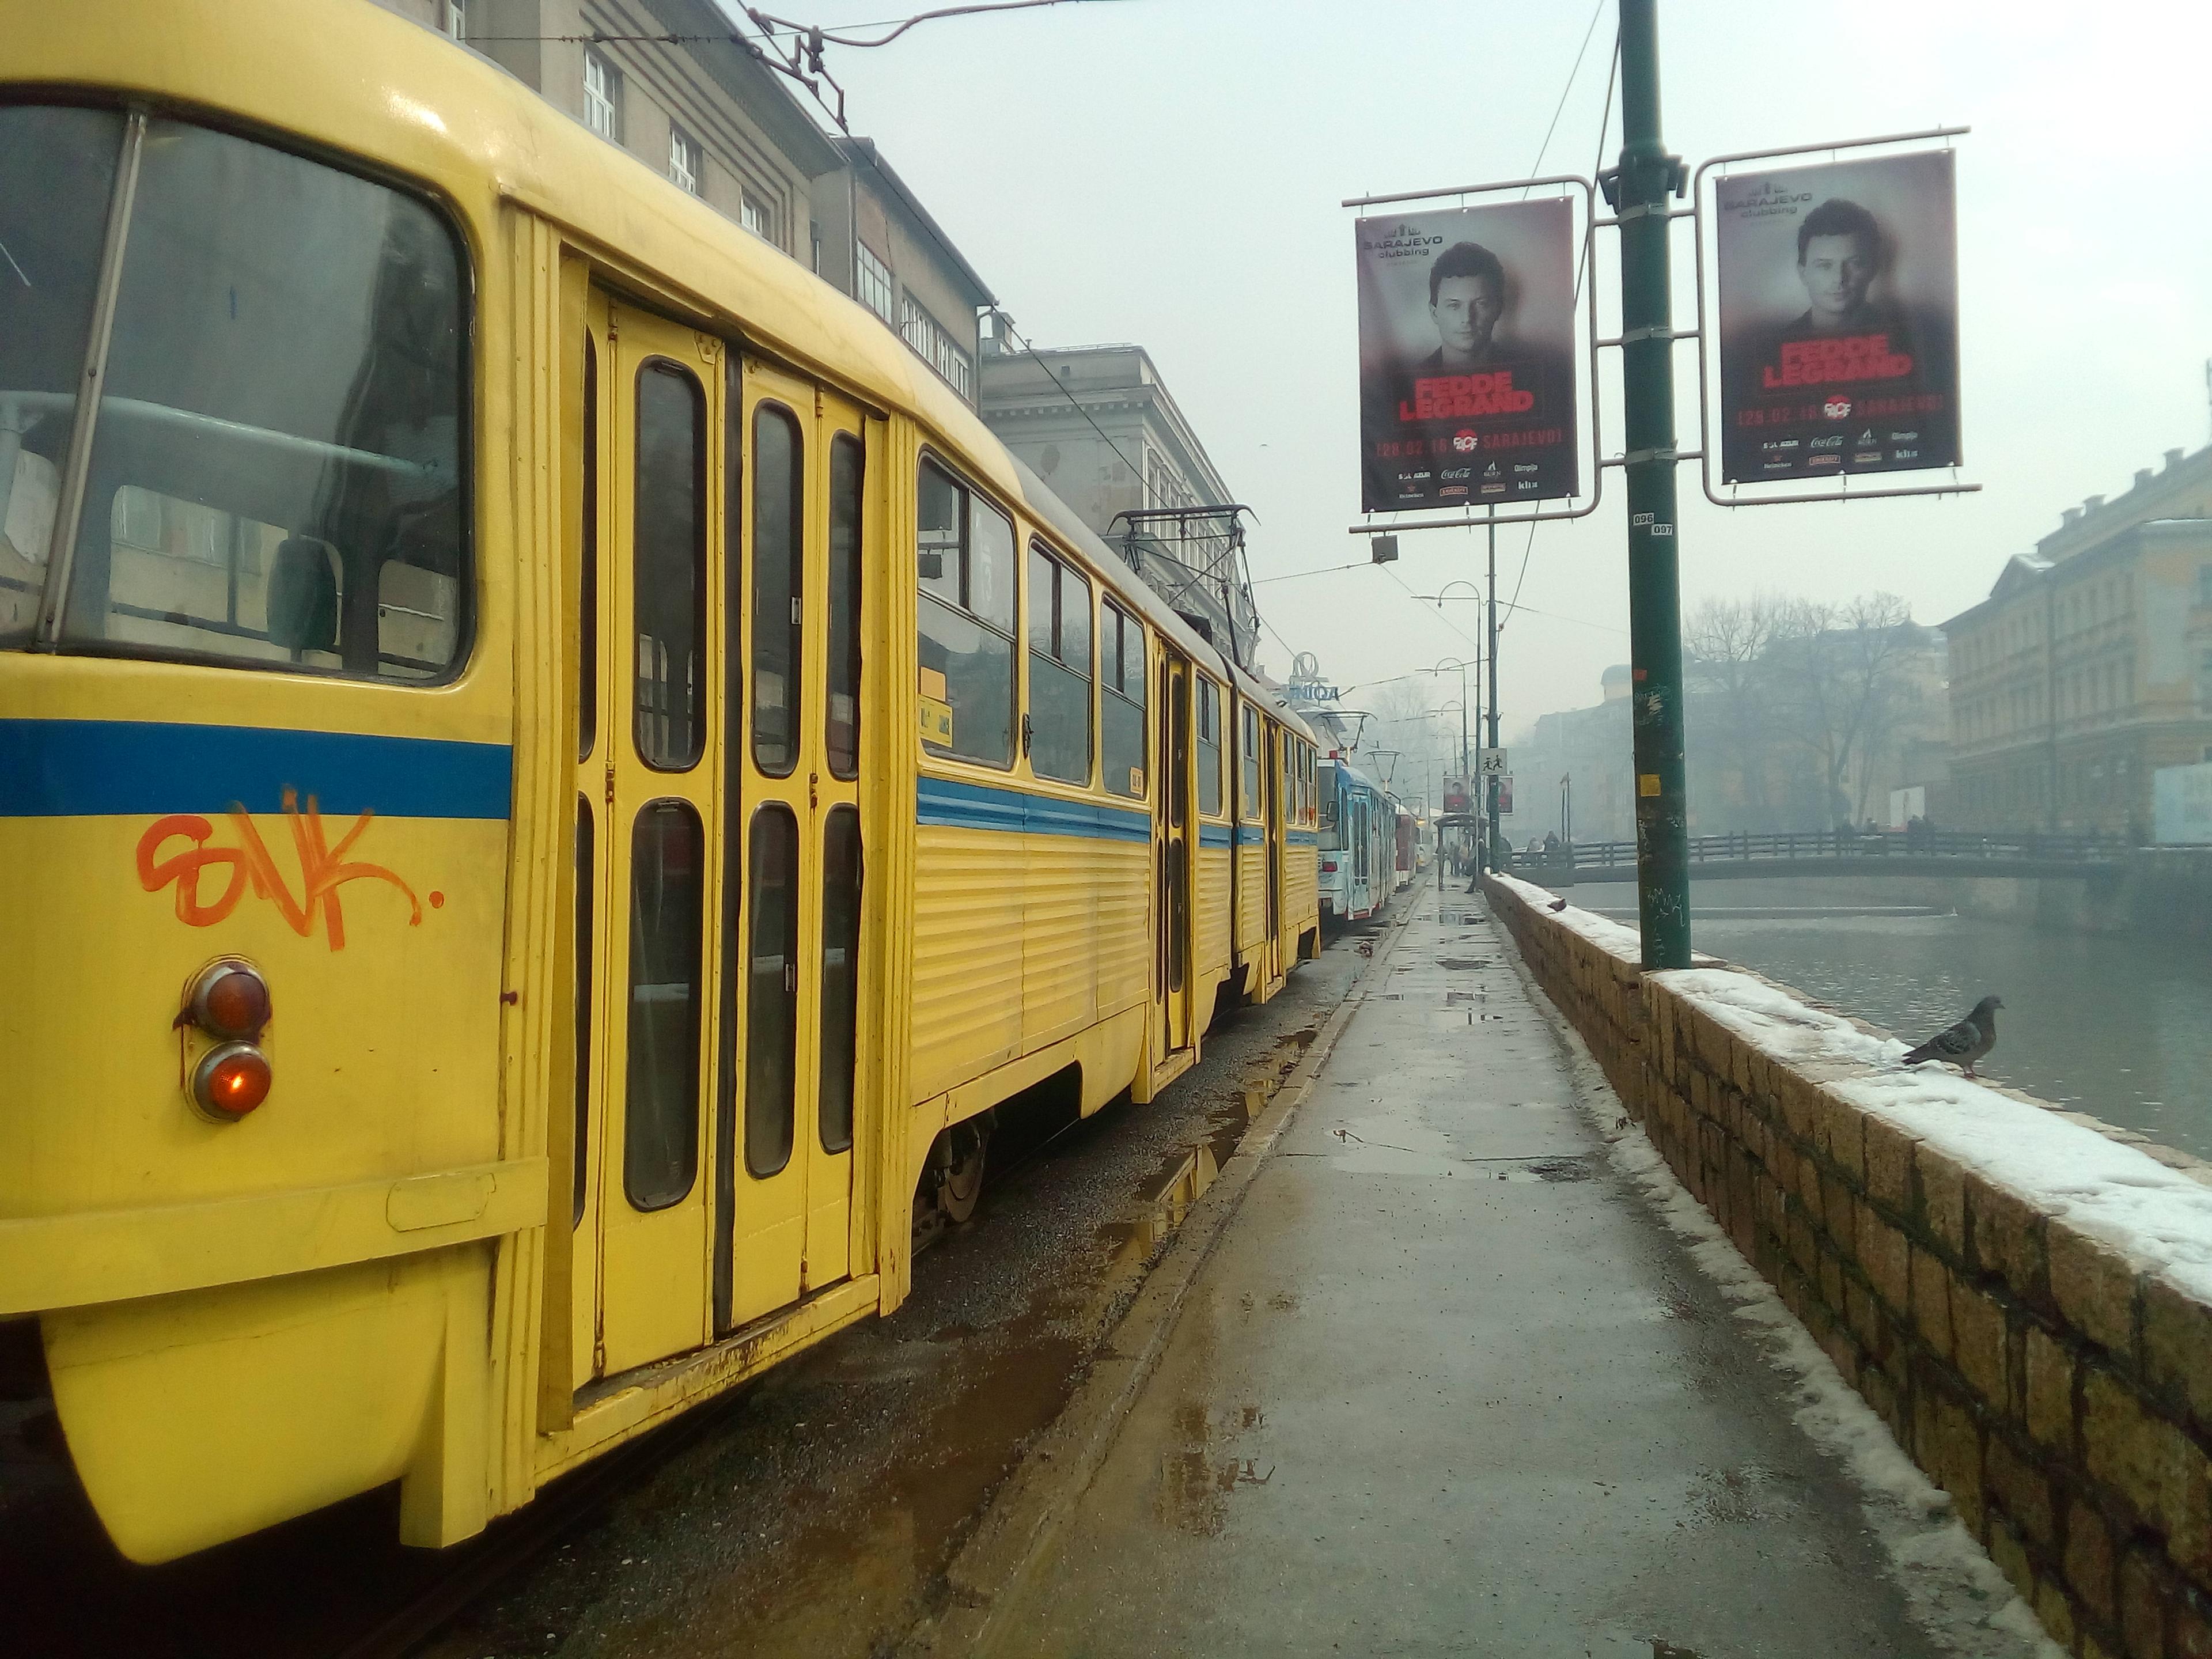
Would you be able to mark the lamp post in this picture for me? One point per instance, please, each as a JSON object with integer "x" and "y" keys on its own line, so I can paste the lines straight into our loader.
{"x": 1489, "y": 651}
{"x": 1466, "y": 763}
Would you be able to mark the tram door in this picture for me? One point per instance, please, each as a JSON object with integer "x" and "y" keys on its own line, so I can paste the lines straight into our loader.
{"x": 784, "y": 1213}
{"x": 1172, "y": 836}
{"x": 1271, "y": 771}
{"x": 648, "y": 883}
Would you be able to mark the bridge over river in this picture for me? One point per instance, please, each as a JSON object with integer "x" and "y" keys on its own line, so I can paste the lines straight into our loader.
{"x": 1829, "y": 853}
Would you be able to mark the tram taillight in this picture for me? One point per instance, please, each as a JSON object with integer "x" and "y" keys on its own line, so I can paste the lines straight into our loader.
{"x": 229, "y": 1000}
{"x": 231, "y": 1080}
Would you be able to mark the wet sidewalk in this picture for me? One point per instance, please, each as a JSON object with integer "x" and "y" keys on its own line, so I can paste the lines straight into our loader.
{"x": 1449, "y": 1385}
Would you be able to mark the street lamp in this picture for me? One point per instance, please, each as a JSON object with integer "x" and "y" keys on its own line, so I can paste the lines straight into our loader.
{"x": 1461, "y": 664}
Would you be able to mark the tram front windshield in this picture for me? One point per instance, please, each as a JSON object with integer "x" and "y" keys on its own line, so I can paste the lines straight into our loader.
{"x": 273, "y": 474}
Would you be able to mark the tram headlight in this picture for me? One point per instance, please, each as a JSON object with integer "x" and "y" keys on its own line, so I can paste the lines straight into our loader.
{"x": 231, "y": 1080}
{"x": 229, "y": 1000}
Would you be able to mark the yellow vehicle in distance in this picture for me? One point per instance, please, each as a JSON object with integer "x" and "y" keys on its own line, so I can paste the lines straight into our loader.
{"x": 552, "y": 776}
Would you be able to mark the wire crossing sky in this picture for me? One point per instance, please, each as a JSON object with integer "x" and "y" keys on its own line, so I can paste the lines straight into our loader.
{"x": 1167, "y": 172}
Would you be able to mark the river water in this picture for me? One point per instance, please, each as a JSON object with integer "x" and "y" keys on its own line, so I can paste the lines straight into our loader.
{"x": 2115, "y": 1025}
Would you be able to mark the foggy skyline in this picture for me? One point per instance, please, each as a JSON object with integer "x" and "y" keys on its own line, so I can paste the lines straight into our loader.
{"x": 1169, "y": 173}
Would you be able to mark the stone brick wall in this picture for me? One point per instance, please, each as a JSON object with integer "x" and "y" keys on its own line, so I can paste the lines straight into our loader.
{"x": 2058, "y": 1388}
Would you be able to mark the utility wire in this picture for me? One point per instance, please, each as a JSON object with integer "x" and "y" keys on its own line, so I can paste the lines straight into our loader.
{"x": 1581, "y": 269}
{"x": 1596, "y": 12}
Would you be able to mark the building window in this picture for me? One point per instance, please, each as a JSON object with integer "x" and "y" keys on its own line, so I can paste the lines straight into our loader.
{"x": 936, "y": 347}
{"x": 753, "y": 216}
{"x": 875, "y": 282}
{"x": 2204, "y": 682}
{"x": 2204, "y": 584}
{"x": 602, "y": 96}
{"x": 453, "y": 18}
{"x": 685, "y": 164}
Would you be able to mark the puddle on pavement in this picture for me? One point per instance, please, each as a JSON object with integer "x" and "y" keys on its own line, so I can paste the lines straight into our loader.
{"x": 1184, "y": 1177}
{"x": 1463, "y": 964}
{"x": 1535, "y": 1168}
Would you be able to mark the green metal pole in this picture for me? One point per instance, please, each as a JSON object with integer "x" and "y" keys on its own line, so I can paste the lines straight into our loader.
{"x": 1491, "y": 785}
{"x": 1639, "y": 195}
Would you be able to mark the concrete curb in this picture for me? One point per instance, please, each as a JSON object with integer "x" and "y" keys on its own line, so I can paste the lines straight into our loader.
{"x": 1022, "y": 1525}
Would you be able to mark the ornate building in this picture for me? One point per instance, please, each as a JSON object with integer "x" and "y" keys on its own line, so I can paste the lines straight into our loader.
{"x": 2090, "y": 666}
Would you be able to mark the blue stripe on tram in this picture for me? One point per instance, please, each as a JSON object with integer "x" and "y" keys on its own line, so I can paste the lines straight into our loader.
{"x": 95, "y": 769}
{"x": 949, "y": 804}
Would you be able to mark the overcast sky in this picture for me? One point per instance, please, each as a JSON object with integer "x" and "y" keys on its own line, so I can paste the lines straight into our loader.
{"x": 1168, "y": 172}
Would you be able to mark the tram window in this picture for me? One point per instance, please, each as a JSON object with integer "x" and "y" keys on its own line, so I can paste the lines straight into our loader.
{"x": 1249, "y": 806}
{"x": 670, "y": 585}
{"x": 842, "y": 734}
{"x": 1122, "y": 705}
{"x": 1209, "y": 747}
{"x": 660, "y": 1126}
{"x": 287, "y": 375}
{"x": 772, "y": 992}
{"x": 588, "y": 562}
{"x": 1059, "y": 669}
{"x": 840, "y": 974}
{"x": 778, "y": 587}
{"x": 587, "y": 868}
{"x": 57, "y": 173}
{"x": 965, "y": 560}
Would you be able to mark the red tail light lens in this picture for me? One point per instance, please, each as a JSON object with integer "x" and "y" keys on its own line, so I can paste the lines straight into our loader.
{"x": 230, "y": 1000}
{"x": 230, "y": 1081}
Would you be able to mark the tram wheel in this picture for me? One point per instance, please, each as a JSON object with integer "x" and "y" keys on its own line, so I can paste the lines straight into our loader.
{"x": 960, "y": 1180}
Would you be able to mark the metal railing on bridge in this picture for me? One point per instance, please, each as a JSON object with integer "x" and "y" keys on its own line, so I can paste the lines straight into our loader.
{"x": 2032, "y": 846}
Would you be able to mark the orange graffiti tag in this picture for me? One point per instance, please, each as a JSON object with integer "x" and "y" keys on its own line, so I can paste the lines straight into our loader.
{"x": 323, "y": 869}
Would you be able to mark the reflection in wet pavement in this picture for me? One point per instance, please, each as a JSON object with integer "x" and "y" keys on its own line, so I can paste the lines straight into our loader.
{"x": 819, "y": 1519}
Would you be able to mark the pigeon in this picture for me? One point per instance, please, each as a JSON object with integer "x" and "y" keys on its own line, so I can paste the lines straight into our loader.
{"x": 1965, "y": 1042}
{"x": 1557, "y": 905}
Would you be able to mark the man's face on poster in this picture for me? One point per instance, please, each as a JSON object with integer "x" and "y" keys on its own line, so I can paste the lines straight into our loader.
{"x": 1837, "y": 272}
{"x": 1466, "y": 311}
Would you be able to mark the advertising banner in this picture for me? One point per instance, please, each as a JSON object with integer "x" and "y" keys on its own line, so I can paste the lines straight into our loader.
{"x": 1458, "y": 795}
{"x": 1839, "y": 319}
{"x": 1467, "y": 356}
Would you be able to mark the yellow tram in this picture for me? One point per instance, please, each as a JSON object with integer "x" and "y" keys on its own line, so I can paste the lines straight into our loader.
{"x": 550, "y": 777}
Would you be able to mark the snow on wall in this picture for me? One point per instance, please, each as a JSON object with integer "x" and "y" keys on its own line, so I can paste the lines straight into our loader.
{"x": 2022, "y": 1295}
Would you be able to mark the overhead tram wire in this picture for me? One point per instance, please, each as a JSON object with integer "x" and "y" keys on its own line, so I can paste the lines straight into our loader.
{"x": 1558, "y": 109}
{"x": 1604, "y": 122}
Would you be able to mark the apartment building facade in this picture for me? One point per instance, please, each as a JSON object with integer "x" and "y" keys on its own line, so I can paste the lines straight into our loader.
{"x": 2088, "y": 668}
{"x": 674, "y": 83}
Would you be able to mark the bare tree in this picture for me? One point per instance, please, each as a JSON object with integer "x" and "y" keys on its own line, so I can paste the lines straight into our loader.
{"x": 1729, "y": 641}
{"x": 1838, "y": 682}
